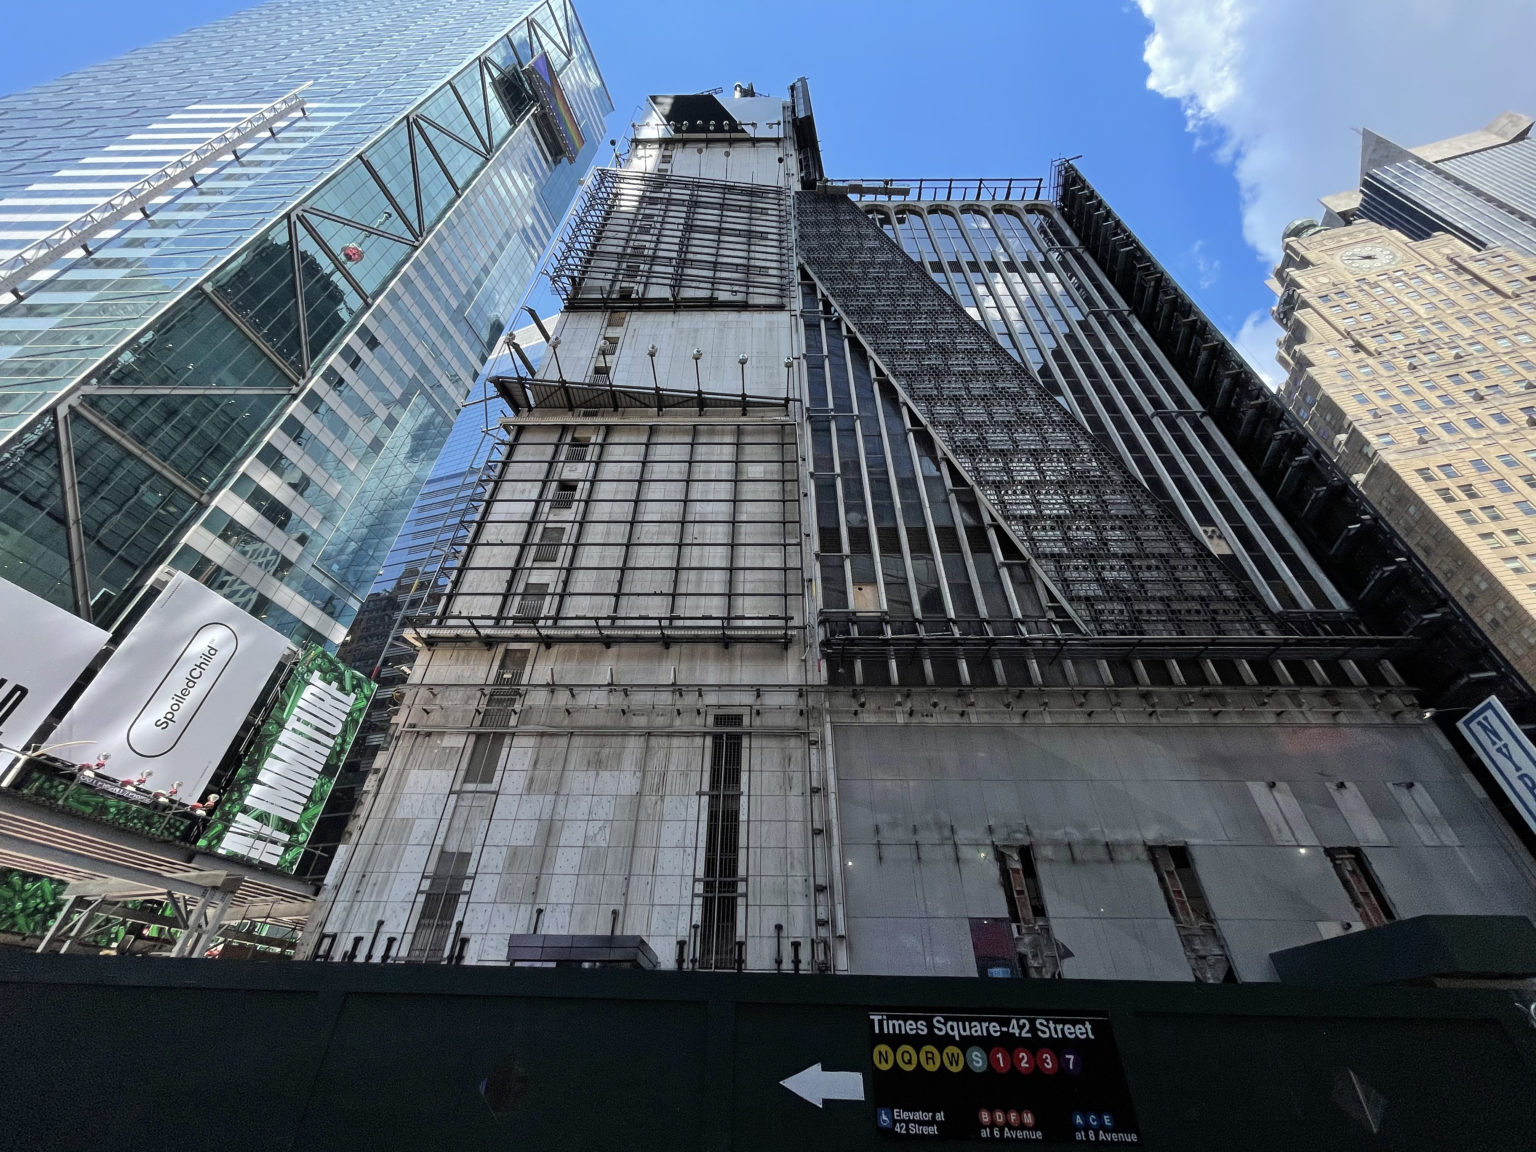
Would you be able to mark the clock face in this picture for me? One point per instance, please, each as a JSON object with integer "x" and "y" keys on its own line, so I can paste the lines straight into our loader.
{"x": 1370, "y": 256}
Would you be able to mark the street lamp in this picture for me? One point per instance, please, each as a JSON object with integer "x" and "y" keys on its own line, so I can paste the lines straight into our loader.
{"x": 698, "y": 383}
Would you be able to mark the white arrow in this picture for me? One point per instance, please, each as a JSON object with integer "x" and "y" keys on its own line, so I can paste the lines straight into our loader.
{"x": 815, "y": 1085}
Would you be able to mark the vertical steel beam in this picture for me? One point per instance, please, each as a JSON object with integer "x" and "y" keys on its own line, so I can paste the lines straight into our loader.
{"x": 74, "y": 527}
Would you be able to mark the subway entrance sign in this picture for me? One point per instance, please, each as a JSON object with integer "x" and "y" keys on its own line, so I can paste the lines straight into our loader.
{"x": 1022, "y": 1078}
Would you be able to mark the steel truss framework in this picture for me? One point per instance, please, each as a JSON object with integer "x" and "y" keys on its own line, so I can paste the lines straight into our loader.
{"x": 525, "y": 394}
{"x": 921, "y": 583}
{"x": 945, "y": 188}
{"x": 651, "y": 240}
{"x": 1449, "y": 659}
{"x": 1118, "y": 559}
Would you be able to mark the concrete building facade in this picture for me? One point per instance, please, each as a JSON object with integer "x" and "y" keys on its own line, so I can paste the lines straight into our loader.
{"x": 1410, "y": 353}
{"x": 866, "y": 595}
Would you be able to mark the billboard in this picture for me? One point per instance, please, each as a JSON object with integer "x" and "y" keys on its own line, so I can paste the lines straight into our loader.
{"x": 559, "y": 118}
{"x": 173, "y": 696}
{"x": 278, "y": 792}
{"x": 1506, "y": 750}
{"x": 43, "y": 650}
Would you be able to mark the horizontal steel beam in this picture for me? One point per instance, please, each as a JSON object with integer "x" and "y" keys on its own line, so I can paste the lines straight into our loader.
{"x": 80, "y": 232}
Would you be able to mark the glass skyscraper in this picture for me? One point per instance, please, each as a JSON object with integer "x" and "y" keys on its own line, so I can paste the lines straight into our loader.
{"x": 1479, "y": 187}
{"x": 325, "y": 216}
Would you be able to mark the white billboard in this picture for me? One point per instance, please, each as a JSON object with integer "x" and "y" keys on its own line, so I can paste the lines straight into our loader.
{"x": 172, "y": 697}
{"x": 43, "y": 650}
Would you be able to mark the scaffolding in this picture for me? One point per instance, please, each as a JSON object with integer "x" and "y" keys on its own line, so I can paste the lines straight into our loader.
{"x": 944, "y": 188}
{"x": 641, "y": 239}
{"x": 613, "y": 528}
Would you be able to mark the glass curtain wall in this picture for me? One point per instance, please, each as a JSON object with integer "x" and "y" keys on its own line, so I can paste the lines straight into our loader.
{"x": 96, "y": 492}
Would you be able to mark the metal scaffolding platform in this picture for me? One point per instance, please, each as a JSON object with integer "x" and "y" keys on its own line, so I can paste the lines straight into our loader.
{"x": 614, "y": 528}
{"x": 642, "y": 239}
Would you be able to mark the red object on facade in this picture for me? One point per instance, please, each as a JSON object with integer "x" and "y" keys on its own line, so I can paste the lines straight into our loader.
{"x": 351, "y": 253}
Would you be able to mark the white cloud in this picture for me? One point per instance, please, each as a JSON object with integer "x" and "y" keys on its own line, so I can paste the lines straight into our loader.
{"x": 1281, "y": 86}
{"x": 1207, "y": 268}
{"x": 1256, "y": 341}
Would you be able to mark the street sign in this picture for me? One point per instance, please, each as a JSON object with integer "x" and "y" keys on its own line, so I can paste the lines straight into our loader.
{"x": 816, "y": 1085}
{"x": 1029, "y": 1078}
{"x": 1506, "y": 751}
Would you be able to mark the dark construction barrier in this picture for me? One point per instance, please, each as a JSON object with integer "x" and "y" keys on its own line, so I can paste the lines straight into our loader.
{"x": 104, "y": 1053}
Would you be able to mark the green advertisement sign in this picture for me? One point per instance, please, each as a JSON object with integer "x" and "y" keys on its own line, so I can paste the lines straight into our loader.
{"x": 280, "y": 788}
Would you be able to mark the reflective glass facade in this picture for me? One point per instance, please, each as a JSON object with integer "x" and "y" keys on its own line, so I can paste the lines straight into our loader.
{"x": 1486, "y": 198}
{"x": 252, "y": 379}
{"x": 438, "y": 519}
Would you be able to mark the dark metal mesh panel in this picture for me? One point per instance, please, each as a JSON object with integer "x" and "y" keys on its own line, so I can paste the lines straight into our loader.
{"x": 1121, "y": 562}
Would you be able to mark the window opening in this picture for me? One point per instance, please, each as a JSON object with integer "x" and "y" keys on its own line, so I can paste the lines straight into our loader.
{"x": 438, "y": 905}
{"x": 1191, "y": 912}
{"x": 547, "y": 551}
{"x": 484, "y": 756}
{"x": 1364, "y": 893}
{"x": 504, "y": 693}
{"x": 1040, "y": 956}
{"x": 530, "y": 605}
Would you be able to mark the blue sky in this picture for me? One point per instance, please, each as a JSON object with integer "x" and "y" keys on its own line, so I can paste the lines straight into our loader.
{"x": 1206, "y": 123}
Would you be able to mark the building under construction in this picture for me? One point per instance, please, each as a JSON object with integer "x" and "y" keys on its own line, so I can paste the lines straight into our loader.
{"x": 904, "y": 577}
